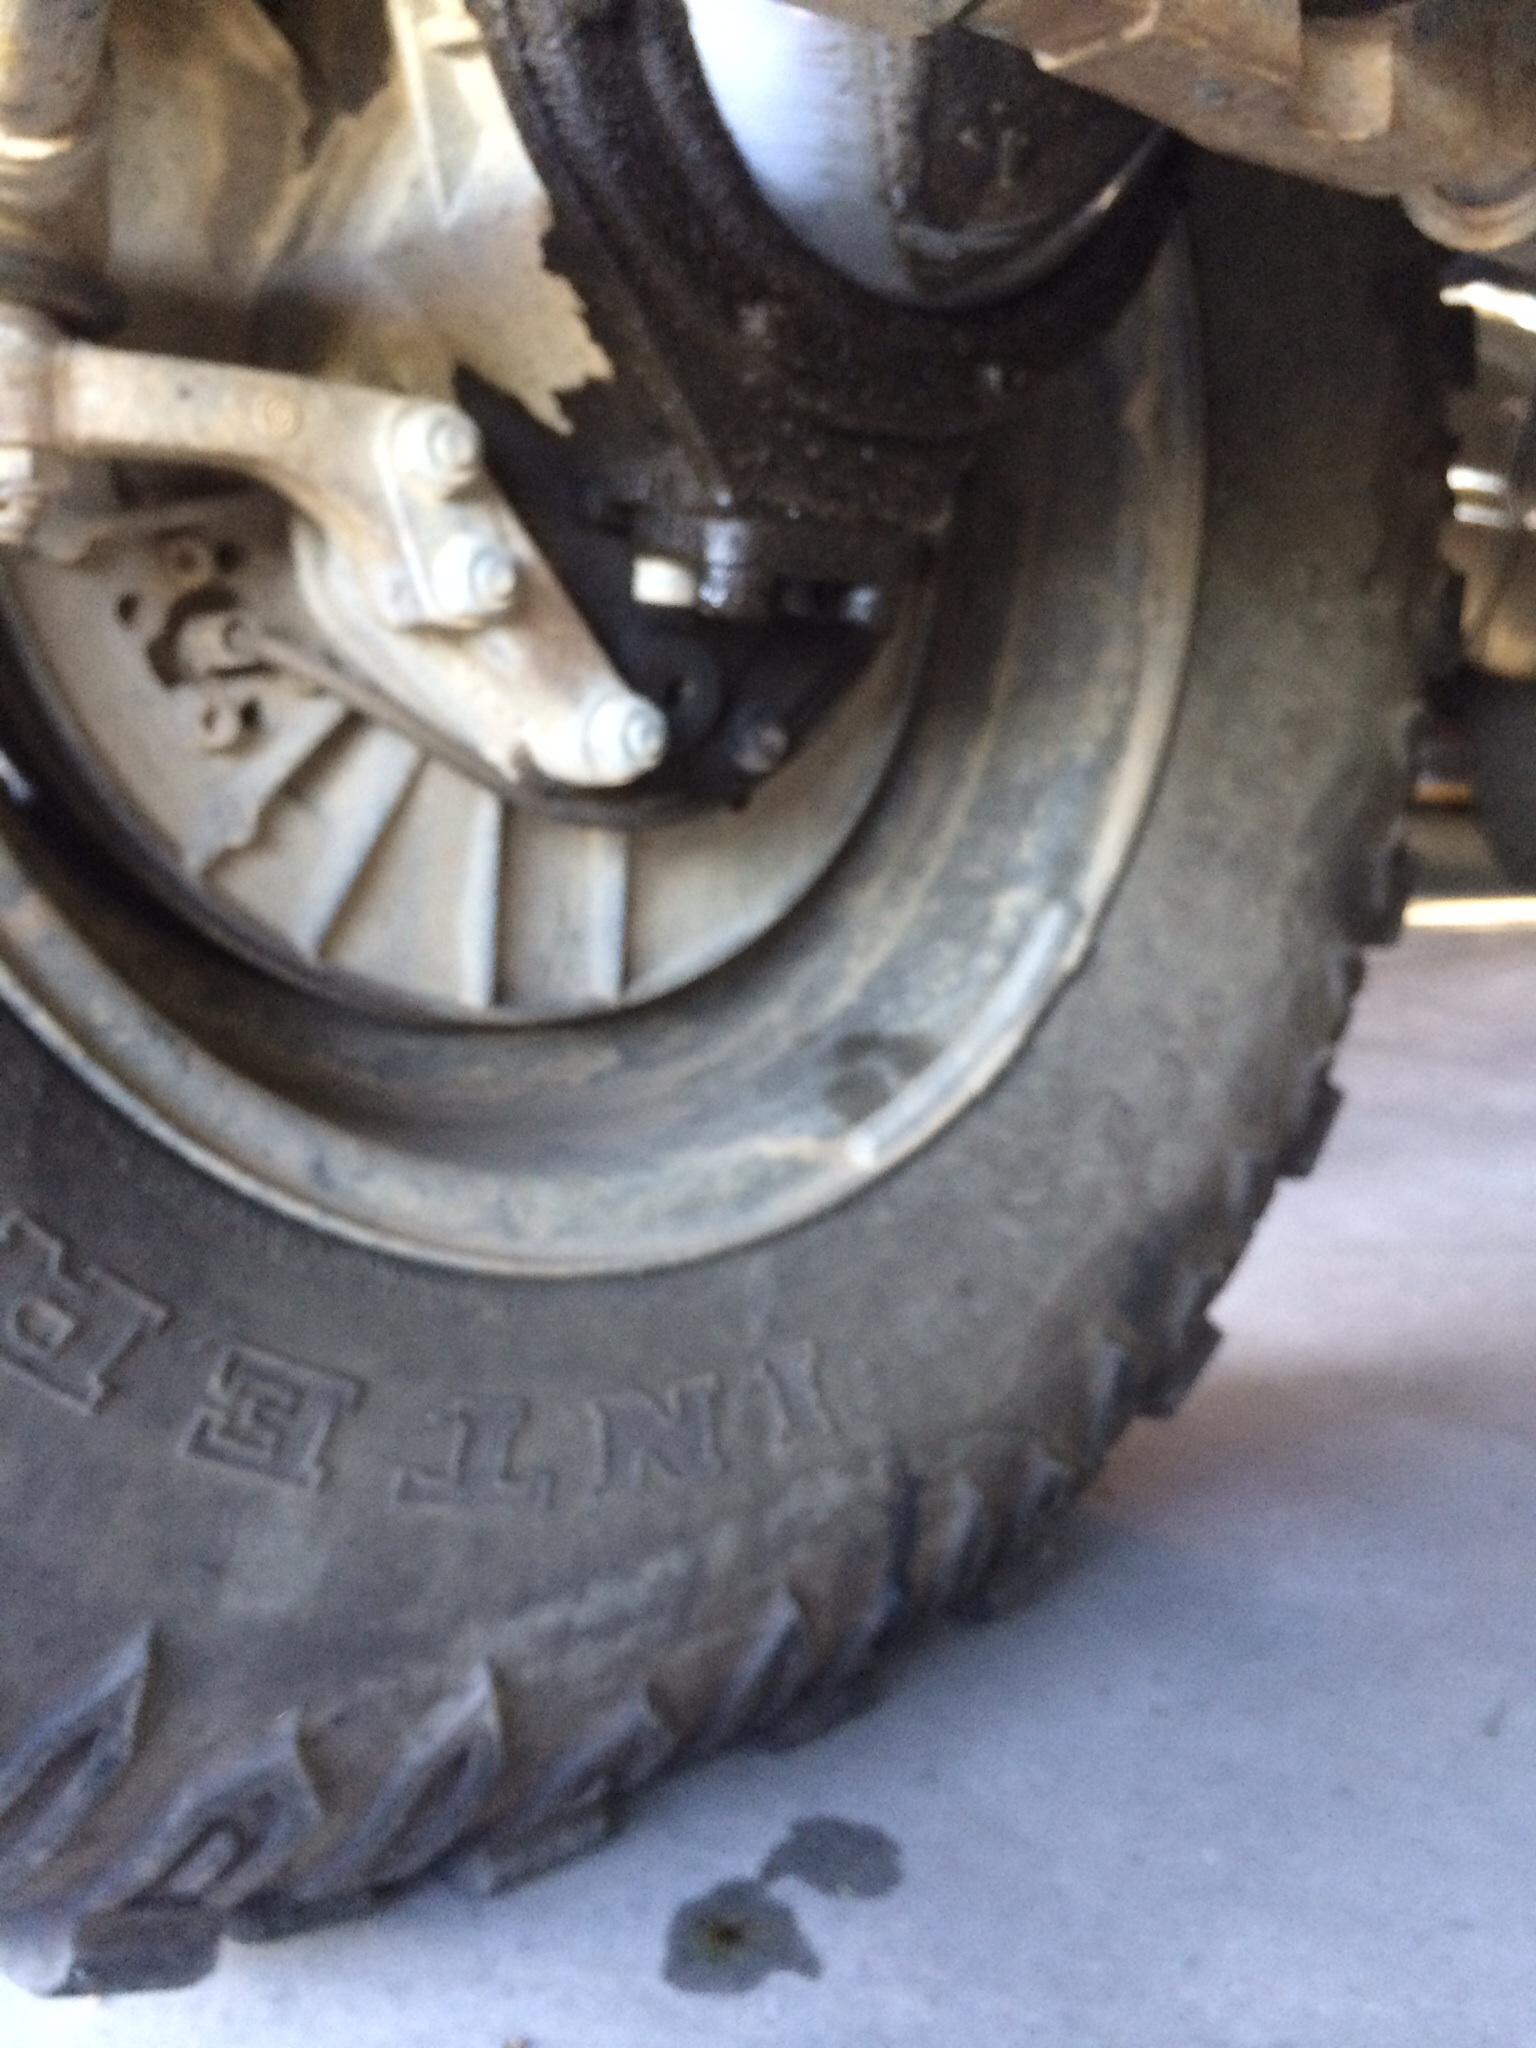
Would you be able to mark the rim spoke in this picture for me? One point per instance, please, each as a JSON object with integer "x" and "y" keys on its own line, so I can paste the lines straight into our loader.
{"x": 318, "y": 837}
{"x": 235, "y": 802}
{"x": 566, "y": 893}
{"x": 424, "y": 914}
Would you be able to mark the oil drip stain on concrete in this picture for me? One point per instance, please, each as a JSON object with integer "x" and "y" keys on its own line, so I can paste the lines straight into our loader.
{"x": 843, "y": 1859}
{"x": 733, "y": 1937}
{"x": 737, "y": 1934}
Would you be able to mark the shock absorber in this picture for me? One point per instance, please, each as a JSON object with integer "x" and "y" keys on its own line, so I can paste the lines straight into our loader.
{"x": 53, "y": 176}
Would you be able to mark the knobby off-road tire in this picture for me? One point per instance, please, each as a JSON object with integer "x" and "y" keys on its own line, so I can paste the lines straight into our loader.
{"x": 336, "y": 1567}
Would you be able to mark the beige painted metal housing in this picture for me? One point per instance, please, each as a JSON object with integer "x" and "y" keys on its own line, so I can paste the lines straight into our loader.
{"x": 417, "y": 566}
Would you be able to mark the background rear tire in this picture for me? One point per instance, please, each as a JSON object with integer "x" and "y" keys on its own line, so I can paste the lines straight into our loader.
{"x": 1501, "y": 719}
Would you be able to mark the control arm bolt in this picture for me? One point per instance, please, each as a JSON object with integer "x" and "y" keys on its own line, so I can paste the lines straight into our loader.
{"x": 623, "y": 738}
{"x": 440, "y": 446}
{"x": 473, "y": 577}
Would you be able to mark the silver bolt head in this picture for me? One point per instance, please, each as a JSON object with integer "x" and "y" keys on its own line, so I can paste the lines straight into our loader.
{"x": 440, "y": 446}
{"x": 865, "y": 604}
{"x": 623, "y": 738}
{"x": 473, "y": 577}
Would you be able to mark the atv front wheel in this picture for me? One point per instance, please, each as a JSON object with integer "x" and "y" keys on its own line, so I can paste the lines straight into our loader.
{"x": 419, "y": 1433}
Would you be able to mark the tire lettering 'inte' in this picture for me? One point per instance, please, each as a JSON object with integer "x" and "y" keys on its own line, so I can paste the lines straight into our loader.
{"x": 65, "y": 1331}
{"x": 270, "y": 1415}
{"x": 792, "y": 1387}
{"x": 643, "y": 1438}
{"x": 478, "y": 1466}
{"x": 67, "y": 1327}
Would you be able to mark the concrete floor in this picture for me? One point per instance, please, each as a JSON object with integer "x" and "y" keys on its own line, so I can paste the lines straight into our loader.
{"x": 1258, "y": 1772}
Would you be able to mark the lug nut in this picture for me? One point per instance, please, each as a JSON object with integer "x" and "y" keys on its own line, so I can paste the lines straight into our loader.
{"x": 759, "y": 747}
{"x": 473, "y": 577}
{"x": 623, "y": 738}
{"x": 866, "y": 605}
{"x": 440, "y": 446}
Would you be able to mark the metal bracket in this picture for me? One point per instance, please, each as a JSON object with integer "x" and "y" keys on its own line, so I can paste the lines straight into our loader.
{"x": 1431, "y": 100}
{"x": 414, "y": 564}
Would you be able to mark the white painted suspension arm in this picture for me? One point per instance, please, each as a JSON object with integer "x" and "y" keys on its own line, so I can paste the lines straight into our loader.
{"x": 414, "y": 563}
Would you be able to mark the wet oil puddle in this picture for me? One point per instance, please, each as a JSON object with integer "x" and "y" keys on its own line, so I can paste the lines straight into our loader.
{"x": 735, "y": 1935}
{"x": 841, "y": 1858}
